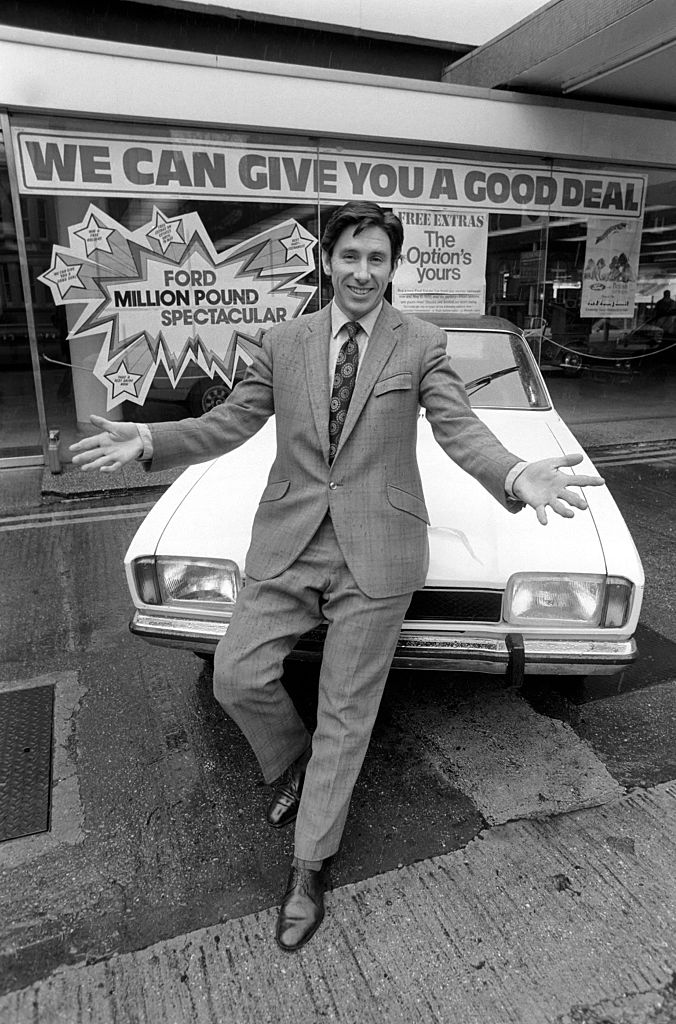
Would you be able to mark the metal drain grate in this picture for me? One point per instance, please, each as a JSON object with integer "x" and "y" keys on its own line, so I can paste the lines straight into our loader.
{"x": 26, "y": 718}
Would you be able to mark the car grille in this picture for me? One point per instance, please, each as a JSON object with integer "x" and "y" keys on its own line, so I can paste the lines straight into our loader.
{"x": 455, "y": 605}
{"x": 435, "y": 605}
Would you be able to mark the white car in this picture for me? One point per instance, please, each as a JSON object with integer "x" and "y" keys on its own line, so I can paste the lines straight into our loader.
{"x": 503, "y": 593}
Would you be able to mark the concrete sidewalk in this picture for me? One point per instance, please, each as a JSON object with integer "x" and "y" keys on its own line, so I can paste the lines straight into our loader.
{"x": 569, "y": 919}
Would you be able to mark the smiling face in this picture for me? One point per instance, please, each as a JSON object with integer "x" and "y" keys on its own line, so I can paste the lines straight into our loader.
{"x": 361, "y": 268}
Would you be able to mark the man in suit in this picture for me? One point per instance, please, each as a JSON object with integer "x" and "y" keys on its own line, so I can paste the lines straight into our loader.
{"x": 340, "y": 535}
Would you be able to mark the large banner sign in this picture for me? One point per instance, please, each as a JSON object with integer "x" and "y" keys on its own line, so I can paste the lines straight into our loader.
{"x": 162, "y": 295}
{"x": 443, "y": 264}
{"x": 610, "y": 267}
{"x": 52, "y": 162}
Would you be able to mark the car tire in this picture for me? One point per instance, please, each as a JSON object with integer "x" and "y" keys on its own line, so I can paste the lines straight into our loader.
{"x": 206, "y": 395}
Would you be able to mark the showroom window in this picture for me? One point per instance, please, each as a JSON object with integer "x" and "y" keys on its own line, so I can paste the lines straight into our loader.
{"x": 158, "y": 257}
{"x": 20, "y": 432}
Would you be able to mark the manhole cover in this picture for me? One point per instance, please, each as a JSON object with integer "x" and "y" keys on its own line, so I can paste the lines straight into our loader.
{"x": 25, "y": 761}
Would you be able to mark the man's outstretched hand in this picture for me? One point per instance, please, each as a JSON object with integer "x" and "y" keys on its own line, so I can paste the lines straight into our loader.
{"x": 109, "y": 451}
{"x": 542, "y": 483}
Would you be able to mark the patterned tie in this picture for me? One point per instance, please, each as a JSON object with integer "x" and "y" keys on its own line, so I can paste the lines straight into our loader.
{"x": 343, "y": 386}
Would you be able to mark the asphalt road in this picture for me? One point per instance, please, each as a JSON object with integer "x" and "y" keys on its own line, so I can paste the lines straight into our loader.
{"x": 157, "y": 820}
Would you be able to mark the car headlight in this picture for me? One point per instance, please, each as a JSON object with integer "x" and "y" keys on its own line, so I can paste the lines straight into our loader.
{"x": 184, "y": 581}
{"x": 577, "y": 599}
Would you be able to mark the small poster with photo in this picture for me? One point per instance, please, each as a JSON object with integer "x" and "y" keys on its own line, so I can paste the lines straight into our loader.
{"x": 610, "y": 267}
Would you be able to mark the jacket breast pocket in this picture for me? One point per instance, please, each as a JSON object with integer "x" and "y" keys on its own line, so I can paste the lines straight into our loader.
{"x": 275, "y": 490}
{"x": 397, "y": 382}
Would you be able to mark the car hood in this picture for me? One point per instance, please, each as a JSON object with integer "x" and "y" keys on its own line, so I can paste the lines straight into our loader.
{"x": 474, "y": 541}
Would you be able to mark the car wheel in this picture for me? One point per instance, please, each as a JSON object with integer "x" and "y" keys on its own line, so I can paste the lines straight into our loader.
{"x": 206, "y": 395}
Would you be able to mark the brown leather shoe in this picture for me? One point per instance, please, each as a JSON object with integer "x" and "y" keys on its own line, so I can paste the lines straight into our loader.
{"x": 283, "y": 807}
{"x": 302, "y": 909}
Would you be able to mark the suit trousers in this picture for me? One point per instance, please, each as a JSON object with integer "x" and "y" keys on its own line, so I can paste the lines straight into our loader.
{"x": 362, "y": 633}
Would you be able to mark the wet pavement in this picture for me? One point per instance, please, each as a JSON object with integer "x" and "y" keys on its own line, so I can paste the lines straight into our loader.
{"x": 157, "y": 818}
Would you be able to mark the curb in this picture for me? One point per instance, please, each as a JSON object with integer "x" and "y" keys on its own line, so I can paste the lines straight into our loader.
{"x": 629, "y": 452}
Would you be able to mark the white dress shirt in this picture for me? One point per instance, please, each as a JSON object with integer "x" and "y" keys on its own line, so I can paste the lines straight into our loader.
{"x": 339, "y": 334}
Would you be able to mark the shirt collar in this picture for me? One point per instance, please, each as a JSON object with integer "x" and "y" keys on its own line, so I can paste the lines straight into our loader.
{"x": 339, "y": 319}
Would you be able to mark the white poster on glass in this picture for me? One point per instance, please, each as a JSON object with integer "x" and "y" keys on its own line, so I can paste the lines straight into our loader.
{"x": 443, "y": 263}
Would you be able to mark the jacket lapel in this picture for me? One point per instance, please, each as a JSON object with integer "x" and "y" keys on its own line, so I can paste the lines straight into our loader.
{"x": 380, "y": 346}
{"x": 316, "y": 348}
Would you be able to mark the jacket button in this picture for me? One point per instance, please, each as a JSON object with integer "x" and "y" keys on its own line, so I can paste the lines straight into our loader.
{"x": 333, "y": 485}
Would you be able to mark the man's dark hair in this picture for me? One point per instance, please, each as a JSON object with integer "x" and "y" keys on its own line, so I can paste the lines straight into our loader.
{"x": 360, "y": 215}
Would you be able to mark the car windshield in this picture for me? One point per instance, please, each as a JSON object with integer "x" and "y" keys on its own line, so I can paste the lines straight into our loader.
{"x": 497, "y": 369}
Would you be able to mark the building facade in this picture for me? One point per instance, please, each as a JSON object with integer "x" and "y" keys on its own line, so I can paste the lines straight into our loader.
{"x": 162, "y": 208}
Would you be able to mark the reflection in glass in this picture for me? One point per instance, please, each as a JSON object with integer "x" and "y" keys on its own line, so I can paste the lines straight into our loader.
{"x": 19, "y": 423}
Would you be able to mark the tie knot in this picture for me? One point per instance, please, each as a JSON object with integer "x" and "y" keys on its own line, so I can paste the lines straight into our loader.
{"x": 353, "y": 328}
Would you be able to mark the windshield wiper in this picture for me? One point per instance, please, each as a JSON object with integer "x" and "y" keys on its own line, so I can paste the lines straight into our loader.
{"x": 481, "y": 382}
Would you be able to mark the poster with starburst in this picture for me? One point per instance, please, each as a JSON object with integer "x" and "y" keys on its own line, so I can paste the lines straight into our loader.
{"x": 162, "y": 295}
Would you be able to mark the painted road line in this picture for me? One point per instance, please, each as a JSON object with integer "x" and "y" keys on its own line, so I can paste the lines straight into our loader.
{"x": 66, "y": 522}
{"x": 74, "y": 512}
{"x": 73, "y": 517}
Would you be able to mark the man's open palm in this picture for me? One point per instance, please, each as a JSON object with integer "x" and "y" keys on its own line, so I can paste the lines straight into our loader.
{"x": 109, "y": 451}
{"x": 542, "y": 483}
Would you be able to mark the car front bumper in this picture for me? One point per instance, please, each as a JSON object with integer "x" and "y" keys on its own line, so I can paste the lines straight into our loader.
{"x": 510, "y": 654}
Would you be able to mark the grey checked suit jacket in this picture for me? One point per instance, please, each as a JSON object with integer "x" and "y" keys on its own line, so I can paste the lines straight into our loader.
{"x": 373, "y": 489}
